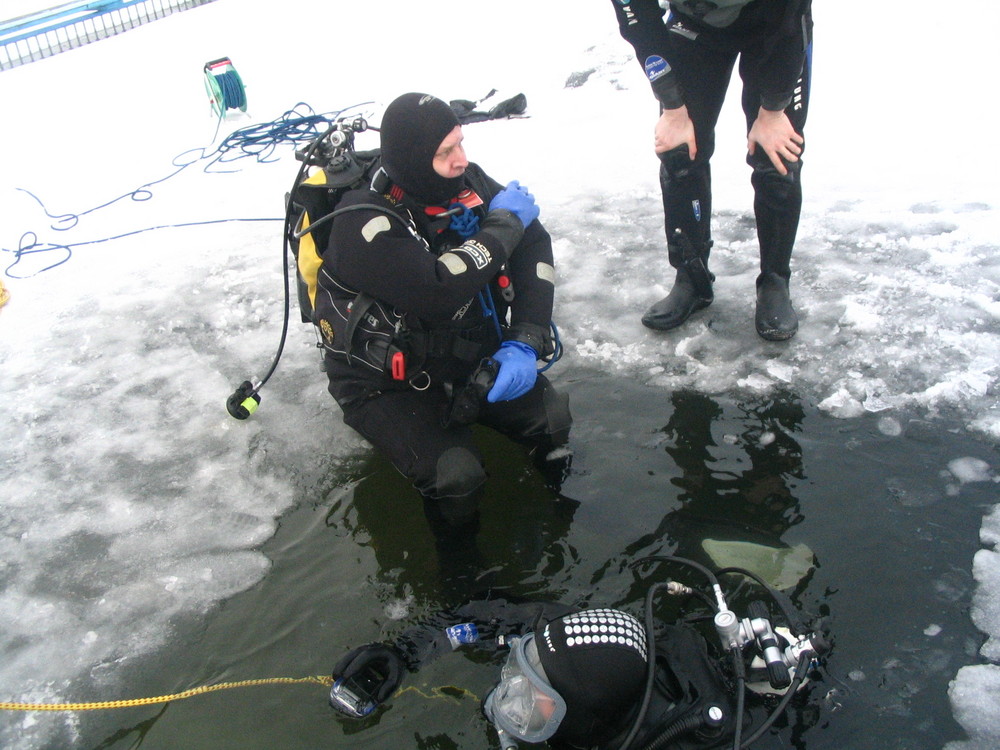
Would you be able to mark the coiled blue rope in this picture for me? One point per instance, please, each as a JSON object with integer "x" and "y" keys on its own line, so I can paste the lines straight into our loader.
{"x": 224, "y": 87}
{"x": 234, "y": 96}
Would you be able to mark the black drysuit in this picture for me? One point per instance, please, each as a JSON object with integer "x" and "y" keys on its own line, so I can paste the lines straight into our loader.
{"x": 440, "y": 302}
{"x": 688, "y": 680}
{"x": 689, "y": 57}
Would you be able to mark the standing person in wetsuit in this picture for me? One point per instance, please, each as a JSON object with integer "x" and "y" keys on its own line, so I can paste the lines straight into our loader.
{"x": 431, "y": 269}
{"x": 688, "y": 58}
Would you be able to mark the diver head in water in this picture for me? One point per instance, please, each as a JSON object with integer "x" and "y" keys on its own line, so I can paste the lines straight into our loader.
{"x": 601, "y": 679}
{"x": 572, "y": 679}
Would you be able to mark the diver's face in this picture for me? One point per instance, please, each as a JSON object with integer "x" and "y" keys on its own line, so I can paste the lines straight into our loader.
{"x": 449, "y": 160}
{"x": 524, "y": 705}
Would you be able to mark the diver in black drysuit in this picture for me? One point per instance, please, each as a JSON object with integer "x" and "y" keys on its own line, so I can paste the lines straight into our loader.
{"x": 688, "y": 58}
{"x": 593, "y": 660}
{"x": 412, "y": 297}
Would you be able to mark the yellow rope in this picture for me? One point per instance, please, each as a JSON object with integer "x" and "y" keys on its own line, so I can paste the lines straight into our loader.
{"x": 447, "y": 692}
{"x": 318, "y": 680}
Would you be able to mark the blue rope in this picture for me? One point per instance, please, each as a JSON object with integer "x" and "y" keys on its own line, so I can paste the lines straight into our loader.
{"x": 260, "y": 142}
{"x": 490, "y": 310}
{"x": 29, "y": 244}
{"x": 234, "y": 96}
{"x": 557, "y": 348}
{"x": 297, "y": 125}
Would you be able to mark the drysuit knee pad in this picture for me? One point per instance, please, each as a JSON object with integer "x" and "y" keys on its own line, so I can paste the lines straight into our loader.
{"x": 459, "y": 473}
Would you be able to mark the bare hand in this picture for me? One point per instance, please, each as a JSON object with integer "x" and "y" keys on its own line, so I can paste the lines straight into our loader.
{"x": 774, "y": 133}
{"x": 673, "y": 129}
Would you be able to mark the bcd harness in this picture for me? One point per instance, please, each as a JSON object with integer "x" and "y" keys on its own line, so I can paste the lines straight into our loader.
{"x": 363, "y": 331}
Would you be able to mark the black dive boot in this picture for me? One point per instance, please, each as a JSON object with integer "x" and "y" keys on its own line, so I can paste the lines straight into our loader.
{"x": 777, "y": 204}
{"x": 692, "y": 289}
{"x": 677, "y": 306}
{"x": 775, "y": 319}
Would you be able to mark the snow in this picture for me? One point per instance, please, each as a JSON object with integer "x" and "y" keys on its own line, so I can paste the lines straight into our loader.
{"x": 121, "y": 463}
{"x": 17, "y": 8}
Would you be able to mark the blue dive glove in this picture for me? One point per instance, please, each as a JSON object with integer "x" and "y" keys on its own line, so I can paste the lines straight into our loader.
{"x": 516, "y": 199}
{"x": 518, "y": 370}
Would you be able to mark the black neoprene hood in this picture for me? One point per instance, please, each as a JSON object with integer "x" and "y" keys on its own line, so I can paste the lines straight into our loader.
{"x": 413, "y": 127}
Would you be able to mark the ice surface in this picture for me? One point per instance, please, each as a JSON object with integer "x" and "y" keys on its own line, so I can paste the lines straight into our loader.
{"x": 131, "y": 497}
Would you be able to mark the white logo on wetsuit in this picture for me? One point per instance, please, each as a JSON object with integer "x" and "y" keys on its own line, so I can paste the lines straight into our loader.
{"x": 478, "y": 252}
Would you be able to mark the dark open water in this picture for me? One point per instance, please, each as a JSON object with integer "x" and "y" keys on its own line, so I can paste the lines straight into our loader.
{"x": 654, "y": 473}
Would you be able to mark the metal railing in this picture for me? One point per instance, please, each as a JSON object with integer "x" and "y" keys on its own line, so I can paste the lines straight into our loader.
{"x": 64, "y": 27}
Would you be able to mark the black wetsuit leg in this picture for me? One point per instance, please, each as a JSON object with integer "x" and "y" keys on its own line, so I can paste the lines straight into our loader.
{"x": 703, "y": 65}
{"x": 539, "y": 419}
{"x": 777, "y": 197}
{"x": 406, "y": 426}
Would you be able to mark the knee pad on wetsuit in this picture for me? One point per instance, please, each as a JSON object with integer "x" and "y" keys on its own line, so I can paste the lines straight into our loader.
{"x": 676, "y": 165}
{"x": 764, "y": 172}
